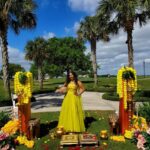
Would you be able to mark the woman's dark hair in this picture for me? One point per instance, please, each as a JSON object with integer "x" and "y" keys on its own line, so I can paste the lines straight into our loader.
{"x": 75, "y": 77}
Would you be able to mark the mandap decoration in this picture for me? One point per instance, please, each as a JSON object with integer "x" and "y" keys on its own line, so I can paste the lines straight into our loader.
{"x": 23, "y": 89}
{"x": 126, "y": 87}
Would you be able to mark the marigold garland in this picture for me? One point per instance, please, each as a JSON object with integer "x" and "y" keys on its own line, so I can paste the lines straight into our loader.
{"x": 139, "y": 123}
{"x": 11, "y": 127}
{"x": 123, "y": 84}
{"x": 25, "y": 141}
{"x": 24, "y": 91}
{"x": 117, "y": 138}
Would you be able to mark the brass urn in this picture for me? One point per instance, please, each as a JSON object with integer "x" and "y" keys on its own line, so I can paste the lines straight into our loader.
{"x": 60, "y": 131}
{"x": 104, "y": 134}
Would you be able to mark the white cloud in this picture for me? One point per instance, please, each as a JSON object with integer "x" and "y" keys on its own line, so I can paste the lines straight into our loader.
{"x": 114, "y": 54}
{"x": 147, "y": 60}
{"x": 88, "y": 6}
{"x": 48, "y": 35}
{"x": 73, "y": 29}
{"x": 76, "y": 26}
{"x": 16, "y": 56}
{"x": 121, "y": 56}
{"x": 67, "y": 30}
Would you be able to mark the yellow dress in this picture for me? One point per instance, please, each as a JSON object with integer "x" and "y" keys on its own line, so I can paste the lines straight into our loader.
{"x": 71, "y": 116}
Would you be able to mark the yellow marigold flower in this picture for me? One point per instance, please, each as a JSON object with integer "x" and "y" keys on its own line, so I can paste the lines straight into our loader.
{"x": 123, "y": 83}
{"x": 128, "y": 134}
{"x": 24, "y": 91}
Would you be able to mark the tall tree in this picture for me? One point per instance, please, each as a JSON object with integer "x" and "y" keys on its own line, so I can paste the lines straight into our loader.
{"x": 64, "y": 53}
{"x": 89, "y": 31}
{"x": 13, "y": 68}
{"x": 34, "y": 71}
{"x": 68, "y": 53}
{"x": 125, "y": 13}
{"x": 36, "y": 51}
{"x": 17, "y": 15}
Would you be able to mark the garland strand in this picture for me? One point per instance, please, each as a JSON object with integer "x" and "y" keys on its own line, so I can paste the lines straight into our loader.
{"x": 23, "y": 91}
{"x": 123, "y": 83}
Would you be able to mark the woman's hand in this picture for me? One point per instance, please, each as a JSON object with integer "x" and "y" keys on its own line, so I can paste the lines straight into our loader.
{"x": 61, "y": 90}
{"x": 77, "y": 94}
{"x": 57, "y": 91}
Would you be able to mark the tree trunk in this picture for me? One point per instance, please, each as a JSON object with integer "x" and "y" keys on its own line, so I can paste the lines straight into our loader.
{"x": 5, "y": 61}
{"x": 129, "y": 29}
{"x": 40, "y": 79}
{"x": 94, "y": 63}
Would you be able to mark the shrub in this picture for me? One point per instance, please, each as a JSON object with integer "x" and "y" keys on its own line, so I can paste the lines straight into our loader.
{"x": 4, "y": 118}
{"x": 103, "y": 88}
{"x": 142, "y": 96}
{"x": 141, "y": 99}
{"x": 144, "y": 111}
{"x": 143, "y": 93}
{"x": 111, "y": 96}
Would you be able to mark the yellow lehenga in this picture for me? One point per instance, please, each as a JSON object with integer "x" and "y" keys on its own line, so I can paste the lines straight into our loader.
{"x": 71, "y": 116}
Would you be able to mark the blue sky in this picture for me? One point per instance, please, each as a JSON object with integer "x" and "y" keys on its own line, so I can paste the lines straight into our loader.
{"x": 53, "y": 16}
{"x": 61, "y": 18}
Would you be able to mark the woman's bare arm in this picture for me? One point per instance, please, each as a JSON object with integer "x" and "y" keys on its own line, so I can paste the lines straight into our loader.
{"x": 81, "y": 88}
{"x": 62, "y": 89}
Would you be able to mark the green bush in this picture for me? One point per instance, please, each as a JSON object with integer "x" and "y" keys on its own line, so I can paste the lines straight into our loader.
{"x": 143, "y": 93}
{"x": 4, "y": 118}
{"x": 102, "y": 88}
{"x": 111, "y": 96}
{"x": 6, "y": 102}
{"x": 141, "y": 99}
{"x": 142, "y": 96}
{"x": 144, "y": 111}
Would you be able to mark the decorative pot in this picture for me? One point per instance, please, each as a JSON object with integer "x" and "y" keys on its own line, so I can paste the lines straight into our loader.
{"x": 104, "y": 134}
{"x": 60, "y": 131}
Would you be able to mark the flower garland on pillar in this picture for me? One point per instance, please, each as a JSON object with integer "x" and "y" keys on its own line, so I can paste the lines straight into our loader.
{"x": 23, "y": 86}
{"x": 23, "y": 89}
{"x": 126, "y": 78}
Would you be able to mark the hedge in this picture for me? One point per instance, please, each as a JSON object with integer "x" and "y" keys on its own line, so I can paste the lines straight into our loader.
{"x": 140, "y": 96}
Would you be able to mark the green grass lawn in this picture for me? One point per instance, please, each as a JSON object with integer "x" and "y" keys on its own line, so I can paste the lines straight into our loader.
{"x": 3, "y": 95}
{"x": 144, "y": 83}
{"x": 95, "y": 122}
{"x": 105, "y": 84}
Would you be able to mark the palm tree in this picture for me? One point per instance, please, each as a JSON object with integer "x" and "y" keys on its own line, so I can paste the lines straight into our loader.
{"x": 89, "y": 31}
{"x": 124, "y": 13}
{"x": 36, "y": 51}
{"x": 17, "y": 15}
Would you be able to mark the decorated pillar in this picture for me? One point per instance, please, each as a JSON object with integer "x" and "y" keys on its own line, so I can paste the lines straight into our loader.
{"x": 126, "y": 87}
{"x": 23, "y": 89}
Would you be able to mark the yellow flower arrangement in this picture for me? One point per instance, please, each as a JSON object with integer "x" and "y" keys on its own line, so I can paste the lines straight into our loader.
{"x": 118, "y": 138}
{"x": 25, "y": 141}
{"x": 23, "y": 86}
{"x": 128, "y": 134}
{"x": 11, "y": 127}
{"x": 126, "y": 77}
{"x": 139, "y": 123}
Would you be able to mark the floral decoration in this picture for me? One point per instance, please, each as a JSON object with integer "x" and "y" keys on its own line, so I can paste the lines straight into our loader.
{"x": 23, "y": 86}
{"x": 126, "y": 78}
{"x": 11, "y": 127}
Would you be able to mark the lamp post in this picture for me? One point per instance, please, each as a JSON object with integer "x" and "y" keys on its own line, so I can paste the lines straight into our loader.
{"x": 144, "y": 68}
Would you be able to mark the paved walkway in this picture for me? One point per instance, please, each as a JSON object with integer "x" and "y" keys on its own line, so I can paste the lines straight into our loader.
{"x": 91, "y": 101}
{"x": 50, "y": 102}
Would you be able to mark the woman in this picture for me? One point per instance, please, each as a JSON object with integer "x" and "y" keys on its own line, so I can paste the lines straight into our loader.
{"x": 71, "y": 115}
